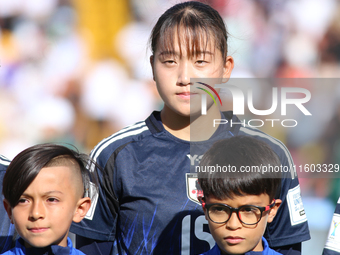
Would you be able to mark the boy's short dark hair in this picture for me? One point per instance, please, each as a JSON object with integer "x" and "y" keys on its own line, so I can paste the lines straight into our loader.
{"x": 240, "y": 153}
{"x": 25, "y": 167}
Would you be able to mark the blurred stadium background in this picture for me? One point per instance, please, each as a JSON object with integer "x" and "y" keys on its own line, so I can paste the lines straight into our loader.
{"x": 76, "y": 71}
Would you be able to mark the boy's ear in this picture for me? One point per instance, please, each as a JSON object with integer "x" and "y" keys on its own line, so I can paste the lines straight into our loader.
{"x": 228, "y": 68}
{"x": 205, "y": 214}
{"x": 201, "y": 199}
{"x": 8, "y": 209}
{"x": 273, "y": 210}
{"x": 151, "y": 62}
{"x": 83, "y": 206}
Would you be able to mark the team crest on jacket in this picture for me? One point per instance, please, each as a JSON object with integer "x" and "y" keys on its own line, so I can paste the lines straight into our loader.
{"x": 193, "y": 188}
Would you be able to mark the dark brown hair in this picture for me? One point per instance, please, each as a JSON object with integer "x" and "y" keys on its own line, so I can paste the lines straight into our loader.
{"x": 25, "y": 167}
{"x": 197, "y": 22}
{"x": 237, "y": 152}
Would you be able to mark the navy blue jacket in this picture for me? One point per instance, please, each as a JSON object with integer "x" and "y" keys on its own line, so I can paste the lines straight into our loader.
{"x": 20, "y": 249}
{"x": 266, "y": 250}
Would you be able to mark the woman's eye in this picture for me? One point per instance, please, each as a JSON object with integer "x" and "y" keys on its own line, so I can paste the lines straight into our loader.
{"x": 201, "y": 62}
{"x": 169, "y": 62}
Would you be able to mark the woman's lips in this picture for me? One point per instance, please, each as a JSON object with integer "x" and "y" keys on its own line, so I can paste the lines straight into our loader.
{"x": 185, "y": 95}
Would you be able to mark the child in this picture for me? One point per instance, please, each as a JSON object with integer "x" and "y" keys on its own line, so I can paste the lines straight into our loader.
{"x": 45, "y": 189}
{"x": 148, "y": 204}
{"x": 7, "y": 230}
{"x": 251, "y": 195}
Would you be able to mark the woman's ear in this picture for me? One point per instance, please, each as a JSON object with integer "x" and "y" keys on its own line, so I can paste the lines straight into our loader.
{"x": 228, "y": 68}
{"x": 8, "y": 209}
{"x": 202, "y": 200}
{"x": 273, "y": 210}
{"x": 151, "y": 63}
{"x": 83, "y": 206}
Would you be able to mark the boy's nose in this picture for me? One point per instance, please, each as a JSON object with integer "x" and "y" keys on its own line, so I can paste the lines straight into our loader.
{"x": 37, "y": 211}
{"x": 233, "y": 222}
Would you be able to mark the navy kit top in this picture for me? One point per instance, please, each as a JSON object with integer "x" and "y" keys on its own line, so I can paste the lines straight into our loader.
{"x": 266, "y": 250}
{"x": 148, "y": 195}
{"x": 20, "y": 249}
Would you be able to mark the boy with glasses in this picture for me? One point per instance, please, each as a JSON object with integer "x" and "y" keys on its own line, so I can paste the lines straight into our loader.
{"x": 239, "y": 204}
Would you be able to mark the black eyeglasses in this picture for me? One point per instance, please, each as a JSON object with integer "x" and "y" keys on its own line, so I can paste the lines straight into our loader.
{"x": 247, "y": 214}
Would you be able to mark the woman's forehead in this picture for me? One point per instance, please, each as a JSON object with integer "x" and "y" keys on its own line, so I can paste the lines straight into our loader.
{"x": 186, "y": 41}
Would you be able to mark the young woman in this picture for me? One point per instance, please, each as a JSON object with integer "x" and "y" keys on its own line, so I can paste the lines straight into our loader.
{"x": 148, "y": 198}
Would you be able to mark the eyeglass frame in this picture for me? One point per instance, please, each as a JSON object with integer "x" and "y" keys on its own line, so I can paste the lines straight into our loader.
{"x": 237, "y": 210}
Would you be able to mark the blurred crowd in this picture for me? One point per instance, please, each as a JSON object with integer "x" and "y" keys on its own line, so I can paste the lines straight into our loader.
{"x": 76, "y": 71}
